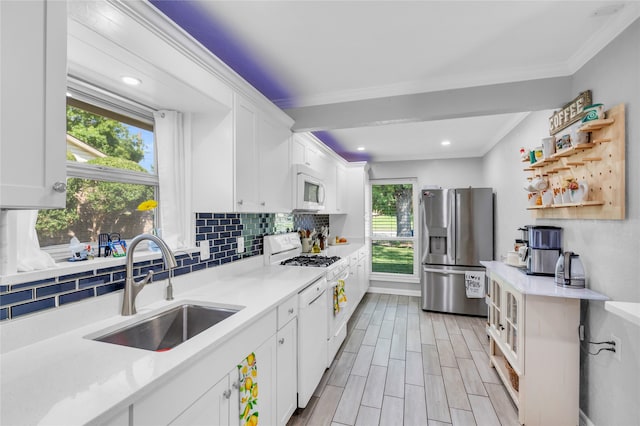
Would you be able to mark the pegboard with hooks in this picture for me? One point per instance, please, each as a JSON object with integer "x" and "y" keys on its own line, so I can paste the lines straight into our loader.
{"x": 600, "y": 164}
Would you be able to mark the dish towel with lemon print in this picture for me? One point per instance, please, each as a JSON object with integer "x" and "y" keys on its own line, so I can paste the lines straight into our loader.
{"x": 339, "y": 297}
{"x": 248, "y": 371}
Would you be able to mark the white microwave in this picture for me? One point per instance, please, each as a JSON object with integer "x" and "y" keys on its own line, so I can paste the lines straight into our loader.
{"x": 310, "y": 190}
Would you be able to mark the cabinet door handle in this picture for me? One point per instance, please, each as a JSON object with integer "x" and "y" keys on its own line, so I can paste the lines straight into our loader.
{"x": 290, "y": 310}
{"x": 235, "y": 385}
{"x": 60, "y": 187}
{"x": 281, "y": 341}
{"x": 501, "y": 326}
{"x": 264, "y": 203}
{"x": 240, "y": 202}
{"x": 227, "y": 394}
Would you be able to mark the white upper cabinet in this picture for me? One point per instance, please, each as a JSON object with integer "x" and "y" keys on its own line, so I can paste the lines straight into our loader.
{"x": 247, "y": 159}
{"x": 305, "y": 151}
{"x": 341, "y": 189}
{"x": 33, "y": 40}
{"x": 262, "y": 176}
{"x": 275, "y": 175}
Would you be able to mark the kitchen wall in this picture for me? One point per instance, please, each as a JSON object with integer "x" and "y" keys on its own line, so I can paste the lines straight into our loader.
{"x": 219, "y": 229}
{"x": 610, "y": 389}
{"x": 503, "y": 172}
{"x": 449, "y": 173}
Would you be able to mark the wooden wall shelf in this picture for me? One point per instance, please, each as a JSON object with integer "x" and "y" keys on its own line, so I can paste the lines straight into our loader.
{"x": 601, "y": 164}
{"x": 567, "y": 205}
{"x": 590, "y": 126}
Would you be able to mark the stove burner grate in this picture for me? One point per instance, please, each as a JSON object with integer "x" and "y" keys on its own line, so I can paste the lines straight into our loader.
{"x": 317, "y": 261}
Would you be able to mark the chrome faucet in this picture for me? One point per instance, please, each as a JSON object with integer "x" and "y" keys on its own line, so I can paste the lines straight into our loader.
{"x": 132, "y": 288}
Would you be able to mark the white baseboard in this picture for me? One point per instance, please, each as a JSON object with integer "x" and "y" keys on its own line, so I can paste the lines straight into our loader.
{"x": 584, "y": 420}
{"x": 396, "y": 291}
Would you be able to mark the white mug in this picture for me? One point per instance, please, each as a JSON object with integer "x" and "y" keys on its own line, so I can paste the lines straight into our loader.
{"x": 539, "y": 184}
{"x": 548, "y": 146}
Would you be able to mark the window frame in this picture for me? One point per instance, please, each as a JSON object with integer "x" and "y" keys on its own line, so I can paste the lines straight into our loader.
{"x": 415, "y": 239}
{"x": 110, "y": 105}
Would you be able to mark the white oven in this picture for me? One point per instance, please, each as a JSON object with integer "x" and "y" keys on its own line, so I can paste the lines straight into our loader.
{"x": 337, "y": 320}
{"x": 310, "y": 190}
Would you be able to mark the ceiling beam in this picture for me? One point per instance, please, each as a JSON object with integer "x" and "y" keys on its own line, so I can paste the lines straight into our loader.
{"x": 524, "y": 96}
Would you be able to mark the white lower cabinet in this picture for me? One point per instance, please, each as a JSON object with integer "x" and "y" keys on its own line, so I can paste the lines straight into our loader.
{"x": 206, "y": 392}
{"x": 266, "y": 359}
{"x": 287, "y": 380}
{"x": 358, "y": 278}
{"x": 538, "y": 337}
{"x": 220, "y": 405}
{"x": 214, "y": 407}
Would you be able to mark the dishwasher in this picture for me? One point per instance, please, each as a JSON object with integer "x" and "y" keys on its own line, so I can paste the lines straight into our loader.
{"x": 312, "y": 339}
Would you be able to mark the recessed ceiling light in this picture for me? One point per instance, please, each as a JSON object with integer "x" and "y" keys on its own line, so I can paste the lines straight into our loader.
{"x": 131, "y": 81}
{"x": 360, "y": 148}
{"x": 607, "y": 10}
{"x": 445, "y": 143}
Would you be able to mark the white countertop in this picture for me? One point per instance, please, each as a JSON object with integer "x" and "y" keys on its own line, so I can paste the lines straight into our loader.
{"x": 627, "y": 310}
{"x": 67, "y": 379}
{"x": 539, "y": 285}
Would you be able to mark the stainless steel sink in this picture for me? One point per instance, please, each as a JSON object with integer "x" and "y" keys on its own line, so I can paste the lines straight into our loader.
{"x": 168, "y": 329}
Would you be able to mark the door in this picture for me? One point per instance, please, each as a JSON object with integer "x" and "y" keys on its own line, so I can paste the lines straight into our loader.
{"x": 437, "y": 210}
{"x": 247, "y": 160}
{"x": 33, "y": 45}
{"x": 443, "y": 290}
{"x": 266, "y": 362}
{"x": 275, "y": 177}
{"x": 473, "y": 225}
{"x": 312, "y": 339}
{"x": 287, "y": 389}
{"x": 212, "y": 408}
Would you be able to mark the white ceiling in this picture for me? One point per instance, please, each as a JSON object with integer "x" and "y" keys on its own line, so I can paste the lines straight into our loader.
{"x": 469, "y": 137}
{"x": 328, "y": 54}
{"x": 332, "y": 51}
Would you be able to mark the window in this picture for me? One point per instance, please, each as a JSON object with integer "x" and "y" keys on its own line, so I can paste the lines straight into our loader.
{"x": 392, "y": 226}
{"x": 111, "y": 169}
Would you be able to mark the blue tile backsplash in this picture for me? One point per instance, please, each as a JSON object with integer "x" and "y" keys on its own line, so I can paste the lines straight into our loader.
{"x": 220, "y": 230}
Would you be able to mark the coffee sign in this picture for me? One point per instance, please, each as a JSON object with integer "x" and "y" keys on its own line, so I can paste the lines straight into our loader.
{"x": 570, "y": 113}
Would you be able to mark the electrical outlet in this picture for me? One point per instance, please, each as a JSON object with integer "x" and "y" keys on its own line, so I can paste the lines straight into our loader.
{"x": 618, "y": 353}
{"x": 204, "y": 250}
{"x": 240, "y": 243}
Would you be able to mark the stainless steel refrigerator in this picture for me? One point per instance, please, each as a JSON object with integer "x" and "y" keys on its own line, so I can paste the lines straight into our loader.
{"x": 456, "y": 234}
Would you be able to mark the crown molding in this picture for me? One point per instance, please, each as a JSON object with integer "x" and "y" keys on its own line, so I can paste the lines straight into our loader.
{"x": 615, "y": 25}
{"x": 152, "y": 19}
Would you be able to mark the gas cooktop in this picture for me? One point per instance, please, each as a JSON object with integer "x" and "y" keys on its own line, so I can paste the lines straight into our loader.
{"x": 318, "y": 261}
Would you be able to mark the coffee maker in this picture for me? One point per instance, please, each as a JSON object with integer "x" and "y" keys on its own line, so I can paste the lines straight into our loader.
{"x": 545, "y": 246}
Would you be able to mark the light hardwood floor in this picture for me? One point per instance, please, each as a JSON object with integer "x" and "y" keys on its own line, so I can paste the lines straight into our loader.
{"x": 401, "y": 365}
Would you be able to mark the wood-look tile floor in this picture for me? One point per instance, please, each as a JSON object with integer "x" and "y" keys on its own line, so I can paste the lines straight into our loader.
{"x": 401, "y": 365}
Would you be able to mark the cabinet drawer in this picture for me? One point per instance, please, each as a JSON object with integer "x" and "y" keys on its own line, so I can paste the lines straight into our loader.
{"x": 287, "y": 310}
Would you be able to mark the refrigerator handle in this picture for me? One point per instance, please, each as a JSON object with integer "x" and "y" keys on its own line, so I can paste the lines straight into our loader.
{"x": 425, "y": 230}
{"x": 458, "y": 224}
{"x": 451, "y": 227}
{"x": 444, "y": 271}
